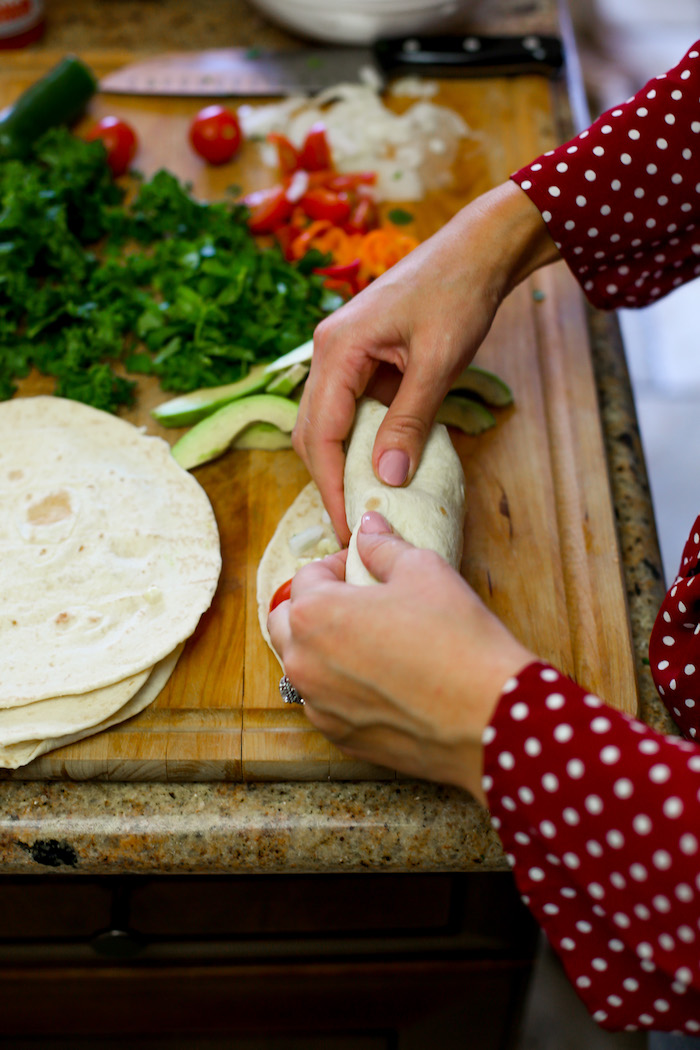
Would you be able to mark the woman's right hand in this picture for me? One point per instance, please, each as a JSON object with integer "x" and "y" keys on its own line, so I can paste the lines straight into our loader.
{"x": 406, "y": 673}
{"x": 408, "y": 336}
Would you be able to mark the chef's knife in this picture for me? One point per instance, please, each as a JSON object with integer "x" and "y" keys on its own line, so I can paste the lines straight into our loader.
{"x": 234, "y": 72}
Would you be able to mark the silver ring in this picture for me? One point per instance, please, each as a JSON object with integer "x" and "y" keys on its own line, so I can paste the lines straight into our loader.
{"x": 289, "y": 693}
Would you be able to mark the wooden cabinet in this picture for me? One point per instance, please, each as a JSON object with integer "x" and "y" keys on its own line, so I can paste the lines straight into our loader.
{"x": 353, "y": 962}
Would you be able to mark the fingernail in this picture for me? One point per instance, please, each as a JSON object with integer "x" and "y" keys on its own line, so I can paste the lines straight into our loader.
{"x": 393, "y": 467}
{"x": 374, "y": 522}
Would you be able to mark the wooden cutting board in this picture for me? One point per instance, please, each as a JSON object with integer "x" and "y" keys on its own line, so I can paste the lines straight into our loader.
{"x": 540, "y": 542}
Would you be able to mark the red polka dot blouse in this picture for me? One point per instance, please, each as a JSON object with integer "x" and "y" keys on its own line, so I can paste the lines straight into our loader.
{"x": 600, "y": 814}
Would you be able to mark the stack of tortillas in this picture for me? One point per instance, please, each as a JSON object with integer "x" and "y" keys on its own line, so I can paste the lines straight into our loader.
{"x": 109, "y": 555}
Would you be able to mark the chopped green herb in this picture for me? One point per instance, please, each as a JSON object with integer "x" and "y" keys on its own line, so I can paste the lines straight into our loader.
{"x": 399, "y": 217}
{"x": 538, "y": 295}
{"x": 166, "y": 285}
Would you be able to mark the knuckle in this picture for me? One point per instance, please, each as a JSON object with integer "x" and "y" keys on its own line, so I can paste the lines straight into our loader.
{"x": 423, "y": 562}
{"x": 323, "y": 335}
{"x": 303, "y": 618}
{"x": 410, "y": 427}
{"x": 294, "y": 668}
{"x": 298, "y": 441}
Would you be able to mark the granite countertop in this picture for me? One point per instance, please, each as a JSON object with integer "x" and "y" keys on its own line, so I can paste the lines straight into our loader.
{"x": 151, "y": 25}
{"x": 111, "y": 828}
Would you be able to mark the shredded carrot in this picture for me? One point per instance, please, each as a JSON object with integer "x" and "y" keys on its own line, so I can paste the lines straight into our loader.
{"x": 344, "y": 247}
{"x": 305, "y": 241}
{"x": 377, "y": 250}
{"x": 380, "y": 249}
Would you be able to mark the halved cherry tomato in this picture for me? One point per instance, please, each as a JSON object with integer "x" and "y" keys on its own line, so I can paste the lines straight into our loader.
{"x": 269, "y": 209}
{"x": 215, "y": 134}
{"x": 282, "y": 594}
{"x": 315, "y": 152}
{"x": 119, "y": 139}
{"x": 324, "y": 204}
{"x": 287, "y": 153}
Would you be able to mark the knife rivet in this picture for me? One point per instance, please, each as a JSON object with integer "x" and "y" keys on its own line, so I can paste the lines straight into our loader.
{"x": 411, "y": 45}
{"x": 532, "y": 42}
{"x": 471, "y": 43}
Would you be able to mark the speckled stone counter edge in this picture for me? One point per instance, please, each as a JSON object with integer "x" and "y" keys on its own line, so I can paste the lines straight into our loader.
{"x": 99, "y": 828}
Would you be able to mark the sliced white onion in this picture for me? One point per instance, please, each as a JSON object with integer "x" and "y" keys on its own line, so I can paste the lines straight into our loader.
{"x": 298, "y": 185}
{"x": 304, "y": 541}
{"x": 364, "y": 135}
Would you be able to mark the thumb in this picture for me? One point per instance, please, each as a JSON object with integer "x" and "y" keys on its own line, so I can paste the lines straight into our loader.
{"x": 401, "y": 438}
{"x": 379, "y": 546}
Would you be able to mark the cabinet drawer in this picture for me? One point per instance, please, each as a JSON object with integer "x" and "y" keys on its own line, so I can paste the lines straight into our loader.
{"x": 291, "y": 905}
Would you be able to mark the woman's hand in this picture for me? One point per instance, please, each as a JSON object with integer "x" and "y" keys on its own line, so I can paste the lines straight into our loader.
{"x": 409, "y": 334}
{"x": 405, "y": 674}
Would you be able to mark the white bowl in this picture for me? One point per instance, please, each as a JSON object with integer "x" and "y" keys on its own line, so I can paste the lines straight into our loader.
{"x": 362, "y": 21}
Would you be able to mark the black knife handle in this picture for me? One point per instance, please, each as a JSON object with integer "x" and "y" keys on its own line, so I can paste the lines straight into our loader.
{"x": 460, "y": 55}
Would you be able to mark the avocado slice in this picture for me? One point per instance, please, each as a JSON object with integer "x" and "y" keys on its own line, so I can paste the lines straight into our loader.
{"x": 489, "y": 387}
{"x": 299, "y": 355}
{"x": 213, "y": 434}
{"x": 263, "y": 436}
{"x": 463, "y": 412}
{"x": 190, "y": 408}
{"x": 284, "y": 383}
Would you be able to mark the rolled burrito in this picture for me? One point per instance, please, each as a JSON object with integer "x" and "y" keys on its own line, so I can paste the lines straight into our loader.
{"x": 428, "y": 512}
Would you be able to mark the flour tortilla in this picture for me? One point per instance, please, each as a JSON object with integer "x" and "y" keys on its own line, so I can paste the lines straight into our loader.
{"x": 109, "y": 550}
{"x": 14, "y": 755}
{"x": 279, "y": 563}
{"x": 429, "y": 512}
{"x": 60, "y": 714}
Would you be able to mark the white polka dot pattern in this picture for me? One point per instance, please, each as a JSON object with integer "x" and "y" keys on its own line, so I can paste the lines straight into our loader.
{"x": 674, "y": 646}
{"x": 622, "y": 200}
{"x": 599, "y": 822}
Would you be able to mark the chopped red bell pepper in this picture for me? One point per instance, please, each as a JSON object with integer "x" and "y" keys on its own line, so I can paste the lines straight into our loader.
{"x": 350, "y": 180}
{"x": 287, "y": 153}
{"x": 340, "y": 271}
{"x": 315, "y": 152}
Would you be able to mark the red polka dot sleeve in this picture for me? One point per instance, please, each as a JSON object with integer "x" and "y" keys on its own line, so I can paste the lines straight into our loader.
{"x": 598, "y": 814}
{"x": 622, "y": 199}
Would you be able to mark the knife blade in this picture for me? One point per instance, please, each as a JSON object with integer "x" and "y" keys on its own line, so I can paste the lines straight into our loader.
{"x": 231, "y": 72}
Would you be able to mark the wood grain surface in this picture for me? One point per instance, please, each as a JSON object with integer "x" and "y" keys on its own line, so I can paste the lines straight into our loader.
{"x": 540, "y": 544}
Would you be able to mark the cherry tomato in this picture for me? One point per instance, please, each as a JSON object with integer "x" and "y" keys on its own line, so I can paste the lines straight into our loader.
{"x": 282, "y": 594}
{"x": 324, "y": 204}
{"x": 269, "y": 209}
{"x": 215, "y": 134}
{"x": 315, "y": 152}
{"x": 119, "y": 140}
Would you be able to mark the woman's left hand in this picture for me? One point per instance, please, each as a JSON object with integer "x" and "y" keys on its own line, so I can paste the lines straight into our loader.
{"x": 405, "y": 674}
